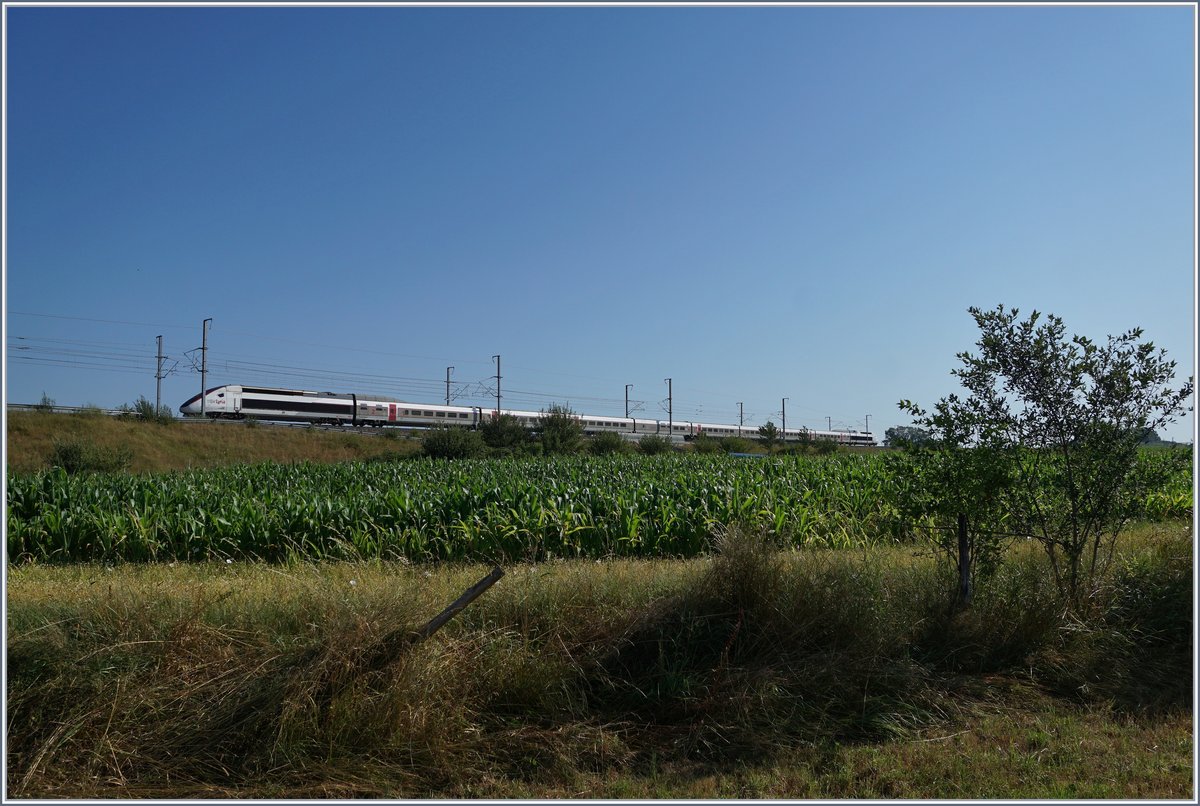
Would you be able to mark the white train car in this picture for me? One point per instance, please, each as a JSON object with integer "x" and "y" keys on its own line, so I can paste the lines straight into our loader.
{"x": 329, "y": 408}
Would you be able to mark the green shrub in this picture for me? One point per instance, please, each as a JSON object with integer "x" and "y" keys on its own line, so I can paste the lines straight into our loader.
{"x": 453, "y": 443}
{"x": 505, "y": 433}
{"x": 706, "y": 444}
{"x": 608, "y": 443}
{"x": 143, "y": 409}
{"x": 823, "y": 446}
{"x": 75, "y": 457}
{"x": 737, "y": 445}
{"x": 652, "y": 444}
{"x": 559, "y": 430}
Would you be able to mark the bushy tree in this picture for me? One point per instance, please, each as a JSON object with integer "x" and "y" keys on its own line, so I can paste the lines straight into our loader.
{"x": 736, "y": 444}
{"x": 823, "y": 446}
{"x": 706, "y": 444}
{"x": 607, "y": 442}
{"x": 952, "y": 493}
{"x": 904, "y": 435}
{"x": 652, "y": 444}
{"x": 559, "y": 430}
{"x": 1046, "y": 440}
{"x": 769, "y": 435}
{"x": 505, "y": 434}
{"x": 453, "y": 443}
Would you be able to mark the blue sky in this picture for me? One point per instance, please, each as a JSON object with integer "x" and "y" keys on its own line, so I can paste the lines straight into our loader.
{"x": 758, "y": 203}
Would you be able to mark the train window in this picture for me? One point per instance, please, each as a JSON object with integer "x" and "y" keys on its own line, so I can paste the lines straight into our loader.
{"x": 441, "y": 414}
{"x": 428, "y": 413}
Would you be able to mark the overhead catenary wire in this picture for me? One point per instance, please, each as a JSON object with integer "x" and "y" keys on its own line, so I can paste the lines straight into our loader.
{"x": 233, "y": 368}
{"x": 250, "y": 373}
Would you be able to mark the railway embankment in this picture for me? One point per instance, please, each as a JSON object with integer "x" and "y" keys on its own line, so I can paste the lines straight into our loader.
{"x": 36, "y": 440}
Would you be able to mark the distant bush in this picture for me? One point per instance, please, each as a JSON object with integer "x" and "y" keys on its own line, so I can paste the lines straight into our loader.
{"x": 653, "y": 444}
{"x": 807, "y": 445}
{"x": 46, "y": 404}
{"x": 769, "y": 435}
{"x": 608, "y": 443}
{"x": 143, "y": 409}
{"x": 453, "y": 443}
{"x": 737, "y": 445}
{"x": 505, "y": 433}
{"x": 823, "y": 446}
{"x": 706, "y": 444}
{"x": 76, "y": 457}
{"x": 559, "y": 430}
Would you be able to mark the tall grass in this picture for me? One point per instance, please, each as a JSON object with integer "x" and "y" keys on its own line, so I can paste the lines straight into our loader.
{"x": 248, "y": 680}
{"x": 32, "y": 437}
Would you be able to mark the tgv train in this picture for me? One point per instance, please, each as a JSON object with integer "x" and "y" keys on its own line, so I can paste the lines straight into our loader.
{"x": 240, "y": 402}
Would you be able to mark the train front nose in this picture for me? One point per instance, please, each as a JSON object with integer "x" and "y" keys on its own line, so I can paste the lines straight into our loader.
{"x": 192, "y": 406}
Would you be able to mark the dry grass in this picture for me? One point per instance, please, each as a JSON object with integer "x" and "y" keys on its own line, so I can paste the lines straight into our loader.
{"x": 178, "y": 446}
{"x": 754, "y": 673}
{"x": 1033, "y": 748}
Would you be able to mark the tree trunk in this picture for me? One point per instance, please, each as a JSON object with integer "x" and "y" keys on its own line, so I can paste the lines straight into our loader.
{"x": 964, "y": 563}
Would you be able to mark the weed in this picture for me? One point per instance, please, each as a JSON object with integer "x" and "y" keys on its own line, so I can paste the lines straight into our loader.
{"x": 755, "y": 671}
{"x": 77, "y": 456}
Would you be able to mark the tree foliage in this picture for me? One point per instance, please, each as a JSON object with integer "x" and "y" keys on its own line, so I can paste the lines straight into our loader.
{"x": 143, "y": 409}
{"x": 607, "y": 442}
{"x": 559, "y": 430}
{"x": 703, "y": 443}
{"x": 453, "y": 443}
{"x": 769, "y": 435}
{"x": 653, "y": 444}
{"x": 505, "y": 434}
{"x": 901, "y": 436}
{"x": 1045, "y": 442}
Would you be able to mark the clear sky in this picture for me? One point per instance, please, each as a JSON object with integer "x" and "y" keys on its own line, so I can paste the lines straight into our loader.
{"x": 758, "y": 203}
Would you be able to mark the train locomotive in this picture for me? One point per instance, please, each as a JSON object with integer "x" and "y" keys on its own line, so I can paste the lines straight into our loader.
{"x": 327, "y": 408}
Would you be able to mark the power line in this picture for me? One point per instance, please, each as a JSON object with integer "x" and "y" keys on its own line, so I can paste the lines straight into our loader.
{"x": 74, "y": 364}
{"x": 89, "y": 319}
{"x": 84, "y": 342}
{"x": 91, "y": 354}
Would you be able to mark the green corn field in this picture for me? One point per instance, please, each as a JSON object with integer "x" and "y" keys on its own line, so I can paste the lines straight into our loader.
{"x": 476, "y": 510}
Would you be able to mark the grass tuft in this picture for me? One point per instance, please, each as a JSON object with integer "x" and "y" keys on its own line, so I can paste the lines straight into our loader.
{"x": 757, "y": 671}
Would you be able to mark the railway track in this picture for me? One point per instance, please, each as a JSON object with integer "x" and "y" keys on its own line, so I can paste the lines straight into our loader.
{"x": 342, "y": 429}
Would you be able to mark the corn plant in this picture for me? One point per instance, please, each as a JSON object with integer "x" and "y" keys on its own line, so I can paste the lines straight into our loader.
{"x": 468, "y": 510}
